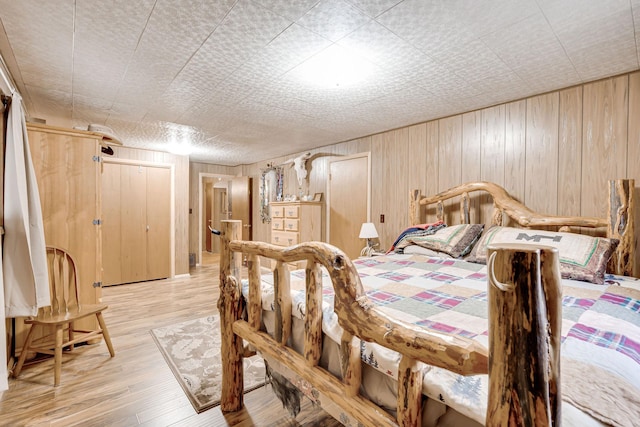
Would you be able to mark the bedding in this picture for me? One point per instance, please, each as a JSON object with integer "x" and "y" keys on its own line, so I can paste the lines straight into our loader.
{"x": 600, "y": 330}
{"x": 582, "y": 257}
{"x": 455, "y": 241}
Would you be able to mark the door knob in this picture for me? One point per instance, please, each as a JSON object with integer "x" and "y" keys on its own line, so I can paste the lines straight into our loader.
{"x": 246, "y": 225}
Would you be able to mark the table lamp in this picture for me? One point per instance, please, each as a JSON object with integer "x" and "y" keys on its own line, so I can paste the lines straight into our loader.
{"x": 368, "y": 231}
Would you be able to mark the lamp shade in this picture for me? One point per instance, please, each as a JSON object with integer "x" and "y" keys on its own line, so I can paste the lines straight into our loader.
{"x": 368, "y": 231}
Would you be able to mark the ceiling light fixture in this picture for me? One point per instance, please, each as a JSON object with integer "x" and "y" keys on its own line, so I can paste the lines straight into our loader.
{"x": 179, "y": 139}
{"x": 335, "y": 67}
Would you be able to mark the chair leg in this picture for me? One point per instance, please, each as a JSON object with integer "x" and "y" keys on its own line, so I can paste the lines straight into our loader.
{"x": 23, "y": 354}
{"x": 71, "y": 326}
{"x": 105, "y": 334}
{"x": 58, "y": 355}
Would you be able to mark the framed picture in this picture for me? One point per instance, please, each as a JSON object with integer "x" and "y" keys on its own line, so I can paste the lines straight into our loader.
{"x": 317, "y": 197}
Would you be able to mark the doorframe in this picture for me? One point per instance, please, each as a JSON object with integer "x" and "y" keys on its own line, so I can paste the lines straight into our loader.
{"x": 366, "y": 154}
{"x": 172, "y": 209}
{"x": 201, "y": 177}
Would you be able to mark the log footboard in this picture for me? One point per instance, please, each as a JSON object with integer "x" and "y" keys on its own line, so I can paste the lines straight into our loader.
{"x": 523, "y": 359}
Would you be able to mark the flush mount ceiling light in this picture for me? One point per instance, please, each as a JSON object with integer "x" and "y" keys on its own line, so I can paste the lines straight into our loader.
{"x": 334, "y": 67}
{"x": 179, "y": 139}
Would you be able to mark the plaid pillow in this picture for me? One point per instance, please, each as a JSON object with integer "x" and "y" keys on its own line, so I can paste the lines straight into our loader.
{"x": 582, "y": 257}
{"x": 456, "y": 240}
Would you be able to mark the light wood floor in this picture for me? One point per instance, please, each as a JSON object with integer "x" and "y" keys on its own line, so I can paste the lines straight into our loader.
{"x": 137, "y": 387}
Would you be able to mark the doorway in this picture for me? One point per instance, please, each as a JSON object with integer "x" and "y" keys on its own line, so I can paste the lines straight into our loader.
{"x": 221, "y": 197}
{"x": 348, "y": 201}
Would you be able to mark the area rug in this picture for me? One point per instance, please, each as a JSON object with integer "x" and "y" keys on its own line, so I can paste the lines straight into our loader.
{"x": 192, "y": 351}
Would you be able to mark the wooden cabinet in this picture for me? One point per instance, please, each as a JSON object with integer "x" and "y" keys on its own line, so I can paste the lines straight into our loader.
{"x": 67, "y": 171}
{"x": 296, "y": 222}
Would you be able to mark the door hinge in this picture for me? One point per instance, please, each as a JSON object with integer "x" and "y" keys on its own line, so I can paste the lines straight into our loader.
{"x": 97, "y": 159}
{"x": 97, "y": 222}
{"x": 97, "y": 284}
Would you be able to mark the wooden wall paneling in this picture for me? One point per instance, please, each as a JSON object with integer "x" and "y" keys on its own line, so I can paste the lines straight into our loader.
{"x": 432, "y": 164}
{"x": 633, "y": 152}
{"x": 379, "y": 185}
{"x": 542, "y": 153}
{"x": 515, "y": 148}
{"x": 604, "y": 149}
{"x": 399, "y": 219}
{"x": 470, "y": 158}
{"x": 416, "y": 172}
{"x": 570, "y": 151}
{"x": 393, "y": 185}
{"x": 492, "y": 148}
{"x": 181, "y": 206}
{"x": 450, "y": 162}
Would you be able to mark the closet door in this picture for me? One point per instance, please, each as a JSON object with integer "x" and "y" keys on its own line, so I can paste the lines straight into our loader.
{"x": 136, "y": 222}
{"x": 158, "y": 227}
{"x": 111, "y": 253}
{"x": 133, "y": 223}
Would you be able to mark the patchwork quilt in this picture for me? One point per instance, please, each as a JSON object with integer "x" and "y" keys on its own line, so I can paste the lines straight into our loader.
{"x": 600, "y": 365}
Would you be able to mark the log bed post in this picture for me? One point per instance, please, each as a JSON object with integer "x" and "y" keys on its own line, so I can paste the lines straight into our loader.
{"x": 620, "y": 225}
{"x": 230, "y": 306}
{"x": 524, "y": 336}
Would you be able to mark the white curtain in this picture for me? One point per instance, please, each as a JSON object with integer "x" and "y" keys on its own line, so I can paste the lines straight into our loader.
{"x": 24, "y": 263}
{"x": 26, "y": 284}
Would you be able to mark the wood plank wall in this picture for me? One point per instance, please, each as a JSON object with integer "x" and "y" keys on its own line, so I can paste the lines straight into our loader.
{"x": 553, "y": 151}
{"x": 182, "y": 220}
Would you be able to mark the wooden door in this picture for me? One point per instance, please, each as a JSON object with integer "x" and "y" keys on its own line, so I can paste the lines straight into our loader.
{"x": 133, "y": 214}
{"x": 348, "y": 202}
{"x": 111, "y": 228}
{"x": 158, "y": 223}
{"x": 239, "y": 194}
{"x": 219, "y": 213}
{"x": 137, "y": 221}
{"x": 208, "y": 214}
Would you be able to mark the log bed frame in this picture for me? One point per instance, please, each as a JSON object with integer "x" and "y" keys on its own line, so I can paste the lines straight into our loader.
{"x": 509, "y": 403}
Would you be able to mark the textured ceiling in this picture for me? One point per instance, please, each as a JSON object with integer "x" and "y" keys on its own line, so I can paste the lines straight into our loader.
{"x": 230, "y": 77}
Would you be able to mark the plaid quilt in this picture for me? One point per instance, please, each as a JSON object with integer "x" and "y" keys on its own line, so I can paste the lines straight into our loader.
{"x": 600, "y": 329}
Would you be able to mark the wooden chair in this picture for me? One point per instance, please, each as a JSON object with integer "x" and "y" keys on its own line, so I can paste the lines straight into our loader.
{"x": 57, "y": 320}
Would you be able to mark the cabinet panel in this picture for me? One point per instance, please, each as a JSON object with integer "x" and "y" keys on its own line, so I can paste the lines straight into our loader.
{"x": 67, "y": 177}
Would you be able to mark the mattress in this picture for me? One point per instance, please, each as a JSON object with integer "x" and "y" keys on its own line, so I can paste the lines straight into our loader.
{"x": 600, "y": 336}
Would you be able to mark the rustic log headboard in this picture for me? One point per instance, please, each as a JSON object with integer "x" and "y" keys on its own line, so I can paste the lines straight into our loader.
{"x": 619, "y": 222}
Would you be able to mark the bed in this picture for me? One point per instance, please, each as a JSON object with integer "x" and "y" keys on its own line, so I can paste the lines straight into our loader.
{"x": 409, "y": 338}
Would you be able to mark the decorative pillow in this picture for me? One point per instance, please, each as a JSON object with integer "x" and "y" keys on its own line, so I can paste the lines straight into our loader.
{"x": 419, "y": 250}
{"x": 456, "y": 240}
{"x": 582, "y": 257}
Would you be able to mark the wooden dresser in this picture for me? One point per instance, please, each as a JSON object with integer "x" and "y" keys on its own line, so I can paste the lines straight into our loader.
{"x": 295, "y": 222}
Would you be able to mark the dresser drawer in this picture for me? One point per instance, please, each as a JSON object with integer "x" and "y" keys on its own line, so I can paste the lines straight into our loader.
{"x": 284, "y": 238}
{"x": 291, "y": 224}
{"x": 291, "y": 212}
{"x": 277, "y": 211}
{"x": 277, "y": 223}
